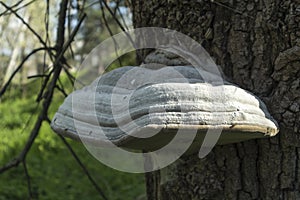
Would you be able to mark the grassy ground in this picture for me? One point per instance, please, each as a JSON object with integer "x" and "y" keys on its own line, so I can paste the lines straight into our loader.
{"x": 54, "y": 172}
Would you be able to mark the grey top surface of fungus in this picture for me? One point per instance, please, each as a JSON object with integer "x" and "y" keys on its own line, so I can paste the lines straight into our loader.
{"x": 119, "y": 108}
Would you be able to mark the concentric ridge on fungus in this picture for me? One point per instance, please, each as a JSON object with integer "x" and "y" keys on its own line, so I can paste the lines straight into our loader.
{"x": 117, "y": 108}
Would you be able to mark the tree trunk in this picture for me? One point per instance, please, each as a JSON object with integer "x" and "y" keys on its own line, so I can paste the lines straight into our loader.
{"x": 256, "y": 43}
{"x": 19, "y": 47}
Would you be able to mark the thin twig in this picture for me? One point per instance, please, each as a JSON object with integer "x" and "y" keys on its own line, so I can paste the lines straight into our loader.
{"x": 30, "y": 118}
{"x": 83, "y": 168}
{"x": 70, "y": 77}
{"x": 71, "y": 39}
{"x": 15, "y": 5}
{"x": 50, "y": 89}
{"x": 28, "y": 179}
{"x": 60, "y": 48}
{"x": 110, "y": 32}
{"x": 37, "y": 76}
{"x": 22, "y": 156}
{"x": 26, "y": 24}
{"x": 91, "y": 4}
{"x": 120, "y": 25}
{"x": 34, "y": 33}
{"x": 43, "y": 87}
{"x": 112, "y": 14}
{"x": 117, "y": 6}
{"x": 4, "y": 88}
{"x": 24, "y": 6}
{"x": 44, "y": 82}
{"x": 61, "y": 90}
{"x": 122, "y": 17}
{"x": 128, "y": 3}
{"x": 63, "y": 50}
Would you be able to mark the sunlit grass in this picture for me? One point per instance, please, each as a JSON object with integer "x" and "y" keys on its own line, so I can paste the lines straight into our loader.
{"x": 54, "y": 172}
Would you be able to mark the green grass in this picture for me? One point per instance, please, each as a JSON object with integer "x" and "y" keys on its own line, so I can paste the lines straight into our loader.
{"x": 54, "y": 172}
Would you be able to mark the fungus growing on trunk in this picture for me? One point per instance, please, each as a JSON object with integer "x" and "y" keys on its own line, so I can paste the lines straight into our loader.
{"x": 143, "y": 109}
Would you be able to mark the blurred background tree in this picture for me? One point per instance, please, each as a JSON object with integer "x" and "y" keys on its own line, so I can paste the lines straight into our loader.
{"x": 42, "y": 45}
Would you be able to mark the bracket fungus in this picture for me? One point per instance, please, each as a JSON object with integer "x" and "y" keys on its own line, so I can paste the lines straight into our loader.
{"x": 142, "y": 108}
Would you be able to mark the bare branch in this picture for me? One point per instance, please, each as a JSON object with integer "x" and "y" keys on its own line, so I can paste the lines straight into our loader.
{"x": 70, "y": 76}
{"x": 112, "y": 14}
{"x": 30, "y": 118}
{"x": 117, "y": 6}
{"x": 37, "y": 76}
{"x": 4, "y": 88}
{"x": 13, "y": 6}
{"x": 61, "y": 48}
{"x": 24, "y": 6}
{"x": 111, "y": 33}
{"x": 43, "y": 87}
{"x": 61, "y": 88}
{"x": 28, "y": 179}
{"x": 62, "y": 51}
{"x": 120, "y": 25}
{"x": 26, "y": 24}
{"x": 122, "y": 17}
{"x": 50, "y": 83}
{"x": 83, "y": 168}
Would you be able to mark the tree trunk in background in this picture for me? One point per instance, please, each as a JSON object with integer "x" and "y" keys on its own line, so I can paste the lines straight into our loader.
{"x": 255, "y": 43}
{"x": 18, "y": 49}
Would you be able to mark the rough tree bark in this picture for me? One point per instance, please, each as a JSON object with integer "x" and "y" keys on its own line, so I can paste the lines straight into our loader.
{"x": 257, "y": 44}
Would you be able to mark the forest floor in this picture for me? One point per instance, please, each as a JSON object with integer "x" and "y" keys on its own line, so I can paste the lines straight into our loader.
{"x": 54, "y": 173}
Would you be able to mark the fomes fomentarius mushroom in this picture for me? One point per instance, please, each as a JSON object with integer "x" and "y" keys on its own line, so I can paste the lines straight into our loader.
{"x": 141, "y": 108}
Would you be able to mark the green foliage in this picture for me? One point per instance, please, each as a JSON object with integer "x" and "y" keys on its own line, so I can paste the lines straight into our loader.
{"x": 54, "y": 172}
